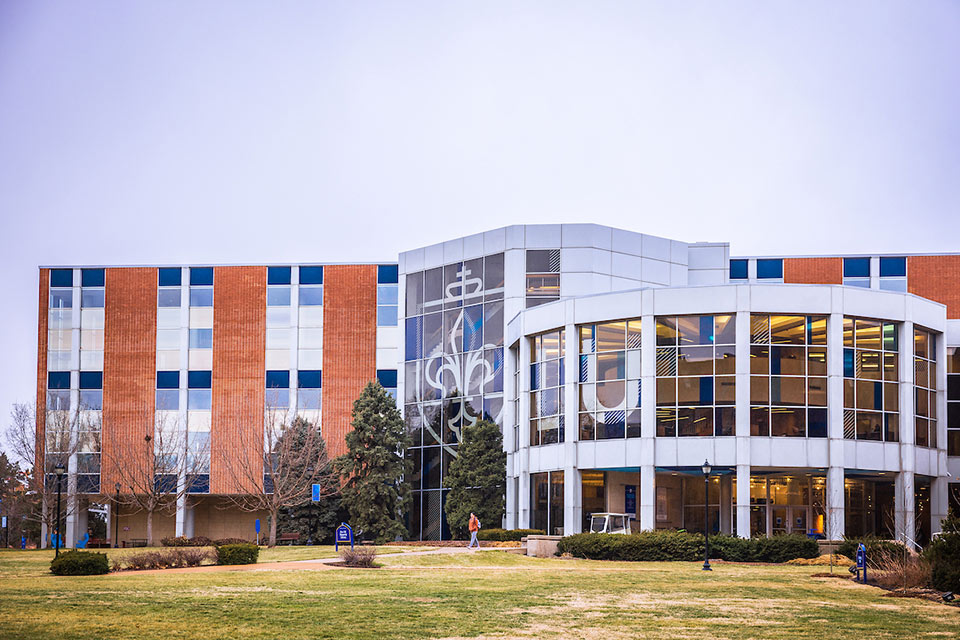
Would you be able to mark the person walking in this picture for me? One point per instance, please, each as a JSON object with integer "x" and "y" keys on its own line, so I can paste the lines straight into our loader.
{"x": 473, "y": 526}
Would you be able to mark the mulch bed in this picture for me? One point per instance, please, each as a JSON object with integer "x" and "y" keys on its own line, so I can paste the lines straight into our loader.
{"x": 350, "y": 566}
{"x": 452, "y": 543}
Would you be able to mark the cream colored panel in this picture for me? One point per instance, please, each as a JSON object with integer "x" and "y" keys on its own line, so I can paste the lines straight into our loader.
{"x": 311, "y": 338}
{"x": 168, "y": 339}
{"x": 198, "y": 420}
{"x": 91, "y": 319}
{"x": 310, "y": 359}
{"x": 201, "y": 317}
{"x": 59, "y": 339}
{"x": 91, "y": 339}
{"x": 168, "y": 360}
{"x": 201, "y": 359}
{"x": 169, "y": 420}
{"x": 58, "y": 361}
{"x": 91, "y": 360}
{"x": 311, "y": 316}
{"x": 278, "y": 317}
{"x": 278, "y": 338}
{"x": 277, "y": 359}
{"x": 60, "y": 318}
{"x": 168, "y": 318}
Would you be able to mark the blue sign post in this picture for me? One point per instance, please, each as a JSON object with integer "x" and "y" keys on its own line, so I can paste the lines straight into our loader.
{"x": 256, "y": 527}
{"x": 344, "y": 534}
{"x": 316, "y": 493}
{"x": 862, "y": 562}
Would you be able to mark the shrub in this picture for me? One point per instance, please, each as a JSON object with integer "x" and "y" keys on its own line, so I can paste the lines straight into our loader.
{"x": 239, "y": 553}
{"x": 166, "y": 559}
{"x": 505, "y": 535}
{"x": 79, "y": 563}
{"x": 896, "y": 569}
{"x": 183, "y": 541}
{"x": 222, "y": 541}
{"x": 874, "y": 547}
{"x": 782, "y": 548}
{"x": 681, "y": 545}
{"x": 362, "y": 557}
{"x": 943, "y": 555}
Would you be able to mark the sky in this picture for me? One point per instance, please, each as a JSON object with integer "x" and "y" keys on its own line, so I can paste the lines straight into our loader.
{"x": 255, "y": 132}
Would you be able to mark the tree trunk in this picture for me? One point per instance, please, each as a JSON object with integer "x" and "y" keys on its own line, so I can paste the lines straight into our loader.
{"x": 273, "y": 528}
{"x": 150, "y": 527}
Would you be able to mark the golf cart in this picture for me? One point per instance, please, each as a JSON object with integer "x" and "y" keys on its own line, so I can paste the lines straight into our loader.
{"x": 610, "y": 523}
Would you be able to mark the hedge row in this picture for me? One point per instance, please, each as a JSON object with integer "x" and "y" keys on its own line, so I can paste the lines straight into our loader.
{"x": 79, "y": 563}
{"x": 245, "y": 553}
{"x": 875, "y": 547}
{"x": 506, "y": 535}
{"x": 668, "y": 545}
{"x": 199, "y": 541}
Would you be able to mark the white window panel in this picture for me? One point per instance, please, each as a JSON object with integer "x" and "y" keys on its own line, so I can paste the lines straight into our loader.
{"x": 60, "y": 339}
{"x": 168, "y": 420}
{"x": 310, "y": 415}
{"x": 278, "y": 317}
{"x": 60, "y": 318}
{"x": 311, "y": 316}
{"x": 201, "y": 359}
{"x": 168, "y": 339}
{"x": 168, "y": 360}
{"x": 58, "y": 361}
{"x": 275, "y": 419}
{"x": 168, "y": 318}
{"x": 278, "y": 338}
{"x": 91, "y": 319}
{"x": 386, "y": 358}
{"x": 310, "y": 359}
{"x": 91, "y": 360}
{"x": 277, "y": 359}
{"x": 91, "y": 339}
{"x": 201, "y": 317}
{"x": 311, "y": 338}
{"x": 198, "y": 420}
{"x": 89, "y": 420}
{"x": 88, "y": 442}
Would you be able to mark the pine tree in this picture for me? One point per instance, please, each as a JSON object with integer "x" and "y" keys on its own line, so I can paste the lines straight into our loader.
{"x": 375, "y": 492}
{"x": 477, "y": 478}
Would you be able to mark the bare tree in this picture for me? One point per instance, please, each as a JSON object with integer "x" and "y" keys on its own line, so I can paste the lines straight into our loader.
{"x": 60, "y": 441}
{"x": 156, "y": 471}
{"x": 294, "y": 458}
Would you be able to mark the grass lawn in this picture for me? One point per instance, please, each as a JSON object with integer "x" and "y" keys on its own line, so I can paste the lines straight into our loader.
{"x": 481, "y": 594}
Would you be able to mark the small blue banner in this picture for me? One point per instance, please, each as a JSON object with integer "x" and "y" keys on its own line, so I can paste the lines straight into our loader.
{"x": 316, "y": 493}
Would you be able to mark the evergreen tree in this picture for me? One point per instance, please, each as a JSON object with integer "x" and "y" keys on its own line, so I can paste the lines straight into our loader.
{"x": 375, "y": 493}
{"x": 314, "y": 521}
{"x": 477, "y": 478}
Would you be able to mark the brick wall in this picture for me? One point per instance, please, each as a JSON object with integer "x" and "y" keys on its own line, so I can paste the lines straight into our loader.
{"x": 129, "y": 369}
{"x": 349, "y": 345}
{"x": 936, "y": 278}
{"x": 43, "y": 317}
{"x": 813, "y": 270}
{"x": 239, "y": 334}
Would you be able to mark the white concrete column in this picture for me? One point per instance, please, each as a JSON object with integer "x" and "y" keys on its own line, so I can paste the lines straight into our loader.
{"x": 572, "y": 507}
{"x": 523, "y": 455}
{"x": 572, "y": 486}
{"x": 905, "y": 523}
{"x": 939, "y": 485}
{"x": 511, "y": 435}
{"x": 647, "y": 489}
{"x": 742, "y": 421}
{"x": 71, "y": 505}
{"x": 939, "y": 492}
{"x": 181, "y": 514}
{"x": 834, "y": 496}
{"x": 726, "y": 498}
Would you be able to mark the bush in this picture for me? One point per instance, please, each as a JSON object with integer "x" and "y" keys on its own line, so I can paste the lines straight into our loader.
{"x": 164, "y": 559}
{"x": 506, "y": 535}
{"x": 681, "y": 545}
{"x": 875, "y": 547}
{"x": 362, "y": 557}
{"x": 79, "y": 563}
{"x": 943, "y": 554}
{"x": 183, "y": 541}
{"x": 222, "y": 541}
{"x": 897, "y": 570}
{"x": 240, "y": 553}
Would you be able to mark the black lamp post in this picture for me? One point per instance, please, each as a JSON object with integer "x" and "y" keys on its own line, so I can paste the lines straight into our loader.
{"x": 706, "y": 515}
{"x": 59, "y": 470}
{"x": 116, "y": 519}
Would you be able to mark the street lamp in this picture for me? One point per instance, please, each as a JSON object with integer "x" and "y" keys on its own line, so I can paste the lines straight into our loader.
{"x": 706, "y": 515}
{"x": 59, "y": 470}
{"x": 116, "y": 519}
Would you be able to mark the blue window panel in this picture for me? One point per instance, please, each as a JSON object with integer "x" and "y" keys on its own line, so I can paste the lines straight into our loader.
{"x": 494, "y": 358}
{"x": 706, "y": 390}
{"x": 309, "y": 379}
{"x": 387, "y": 378}
{"x": 893, "y": 267}
{"x": 278, "y": 379}
{"x": 388, "y": 274}
{"x": 165, "y": 482}
{"x": 534, "y": 377}
{"x": 856, "y": 267}
{"x": 311, "y": 275}
{"x": 88, "y": 483}
{"x": 387, "y": 316}
{"x": 770, "y": 268}
{"x": 61, "y": 298}
{"x": 706, "y": 329}
{"x": 775, "y": 355}
{"x": 413, "y": 338}
{"x": 201, "y": 276}
{"x": 267, "y": 483}
{"x": 201, "y": 297}
{"x": 848, "y": 363}
{"x": 167, "y": 400}
{"x": 169, "y": 276}
{"x": 473, "y": 327}
{"x": 58, "y": 380}
{"x": 168, "y": 379}
{"x": 878, "y": 396}
{"x": 311, "y": 296}
{"x": 199, "y": 399}
{"x": 91, "y": 399}
{"x": 91, "y": 380}
{"x": 278, "y": 275}
{"x": 738, "y": 269}
{"x": 199, "y": 483}
{"x": 816, "y": 423}
{"x": 91, "y": 277}
{"x": 201, "y": 338}
{"x": 61, "y": 277}
{"x": 199, "y": 379}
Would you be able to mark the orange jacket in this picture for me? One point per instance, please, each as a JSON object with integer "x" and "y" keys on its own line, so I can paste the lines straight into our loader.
{"x": 474, "y": 524}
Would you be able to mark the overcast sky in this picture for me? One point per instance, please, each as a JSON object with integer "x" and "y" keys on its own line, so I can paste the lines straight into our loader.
{"x": 251, "y": 132}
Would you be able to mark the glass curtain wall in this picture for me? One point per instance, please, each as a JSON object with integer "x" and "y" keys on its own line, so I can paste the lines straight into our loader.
{"x": 546, "y": 502}
{"x": 925, "y": 387}
{"x": 546, "y": 389}
{"x": 609, "y": 388}
{"x": 953, "y": 404}
{"x": 871, "y": 369}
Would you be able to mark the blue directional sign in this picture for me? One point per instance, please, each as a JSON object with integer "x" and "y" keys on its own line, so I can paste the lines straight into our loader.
{"x": 256, "y": 525}
{"x": 316, "y": 493}
{"x": 343, "y": 535}
{"x": 862, "y": 562}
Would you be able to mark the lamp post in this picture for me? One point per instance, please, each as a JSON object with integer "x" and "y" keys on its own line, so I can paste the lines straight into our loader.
{"x": 706, "y": 515}
{"x": 59, "y": 470}
{"x": 116, "y": 519}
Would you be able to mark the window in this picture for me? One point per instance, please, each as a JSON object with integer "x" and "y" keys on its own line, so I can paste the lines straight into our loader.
{"x": 278, "y": 275}
{"x": 769, "y": 268}
{"x": 609, "y": 380}
{"x": 388, "y": 380}
{"x": 788, "y": 381}
{"x": 738, "y": 269}
{"x": 61, "y": 278}
{"x": 309, "y": 379}
{"x": 543, "y": 276}
{"x": 201, "y": 296}
{"x": 696, "y": 381}
{"x": 278, "y": 296}
{"x": 856, "y": 272}
{"x": 91, "y": 277}
{"x": 893, "y": 273}
{"x": 311, "y": 275}
{"x": 277, "y": 395}
{"x": 953, "y": 401}
{"x": 546, "y": 501}
{"x": 201, "y": 276}
{"x": 199, "y": 379}
{"x": 311, "y": 296}
{"x": 61, "y": 298}
{"x": 387, "y": 292}
{"x": 871, "y": 372}
{"x": 201, "y": 338}
{"x": 925, "y": 387}
{"x": 169, "y": 276}
{"x": 546, "y": 389}
{"x": 168, "y": 297}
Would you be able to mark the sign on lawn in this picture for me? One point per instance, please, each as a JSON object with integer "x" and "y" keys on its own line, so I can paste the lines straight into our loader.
{"x": 343, "y": 535}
